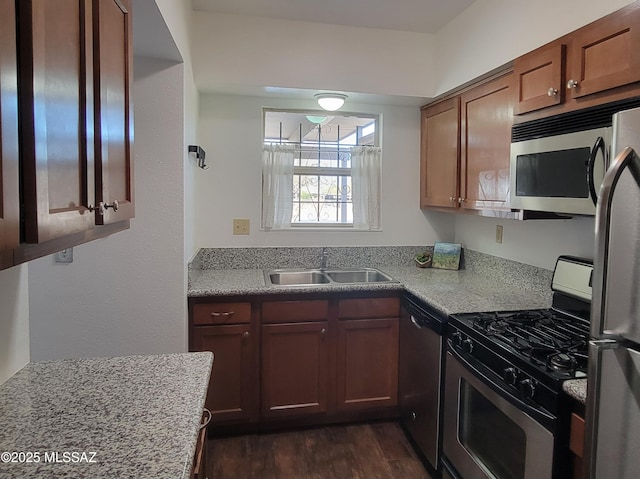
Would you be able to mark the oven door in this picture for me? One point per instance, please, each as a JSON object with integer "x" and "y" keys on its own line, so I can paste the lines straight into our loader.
{"x": 485, "y": 435}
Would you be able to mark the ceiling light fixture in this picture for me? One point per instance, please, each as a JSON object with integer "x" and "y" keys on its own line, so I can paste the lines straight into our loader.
{"x": 330, "y": 101}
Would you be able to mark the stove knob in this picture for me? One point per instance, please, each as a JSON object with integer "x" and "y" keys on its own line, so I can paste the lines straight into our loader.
{"x": 467, "y": 346}
{"x": 510, "y": 376}
{"x": 527, "y": 388}
{"x": 457, "y": 338}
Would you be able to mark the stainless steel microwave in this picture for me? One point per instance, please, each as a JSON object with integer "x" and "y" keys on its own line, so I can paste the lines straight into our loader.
{"x": 559, "y": 173}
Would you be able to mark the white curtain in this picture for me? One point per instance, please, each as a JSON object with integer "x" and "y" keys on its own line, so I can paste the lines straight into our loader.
{"x": 277, "y": 186}
{"x": 366, "y": 165}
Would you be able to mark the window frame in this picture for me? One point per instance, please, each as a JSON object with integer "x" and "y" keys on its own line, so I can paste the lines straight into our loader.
{"x": 325, "y": 171}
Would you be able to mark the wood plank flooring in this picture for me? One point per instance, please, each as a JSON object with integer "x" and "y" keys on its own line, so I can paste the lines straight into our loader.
{"x": 360, "y": 451}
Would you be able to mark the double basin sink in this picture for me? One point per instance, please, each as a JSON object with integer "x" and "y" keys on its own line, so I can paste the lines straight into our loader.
{"x": 303, "y": 277}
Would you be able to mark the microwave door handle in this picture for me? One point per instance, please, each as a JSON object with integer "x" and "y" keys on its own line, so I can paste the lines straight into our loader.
{"x": 598, "y": 145}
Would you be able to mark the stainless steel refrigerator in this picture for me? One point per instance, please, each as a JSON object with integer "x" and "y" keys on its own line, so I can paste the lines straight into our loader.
{"x": 613, "y": 398}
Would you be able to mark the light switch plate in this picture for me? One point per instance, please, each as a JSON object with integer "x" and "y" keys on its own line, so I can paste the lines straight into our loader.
{"x": 64, "y": 256}
{"x": 499, "y": 234}
{"x": 241, "y": 226}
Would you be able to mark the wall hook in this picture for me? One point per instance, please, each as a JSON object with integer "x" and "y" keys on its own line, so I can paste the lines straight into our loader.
{"x": 200, "y": 155}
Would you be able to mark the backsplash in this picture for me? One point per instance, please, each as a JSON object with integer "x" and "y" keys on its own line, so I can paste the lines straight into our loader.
{"x": 305, "y": 257}
{"x": 524, "y": 276}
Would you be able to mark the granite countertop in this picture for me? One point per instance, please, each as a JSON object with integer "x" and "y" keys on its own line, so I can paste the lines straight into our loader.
{"x": 134, "y": 416}
{"x": 448, "y": 291}
{"x": 577, "y": 389}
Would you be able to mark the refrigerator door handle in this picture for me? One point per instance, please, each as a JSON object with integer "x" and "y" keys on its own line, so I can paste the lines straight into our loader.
{"x": 592, "y": 412}
{"x": 627, "y": 158}
{"x": 597, "y": 146}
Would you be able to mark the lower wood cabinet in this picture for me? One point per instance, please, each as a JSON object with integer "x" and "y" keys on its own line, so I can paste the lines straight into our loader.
{"x": 295, "y": 369}
{"x": 367, "y": 366}
{"x": 298, "y": 361}
{"x": 233, "y": 386}
{"x": 576, "y": 445}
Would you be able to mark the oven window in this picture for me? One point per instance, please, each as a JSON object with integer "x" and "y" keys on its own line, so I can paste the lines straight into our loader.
{"x": 491, "y": 436}
{"x": 553, "y": 174}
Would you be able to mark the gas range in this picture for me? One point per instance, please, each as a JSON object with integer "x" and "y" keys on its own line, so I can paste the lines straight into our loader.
{"x": 530, "y": 353}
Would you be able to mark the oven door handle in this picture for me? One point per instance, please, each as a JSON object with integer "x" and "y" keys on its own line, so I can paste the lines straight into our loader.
{"x": 591, "y": 181}
{"x": 537, "y": 413}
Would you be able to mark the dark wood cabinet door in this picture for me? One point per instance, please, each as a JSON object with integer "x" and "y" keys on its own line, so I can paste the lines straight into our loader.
{"x": 487, "y": 117}
{"x": 539, "y": 78}
{"x": 56, "y": 107}
{"x": 605, "y": 54}
{"x": 233, "y": 387}
{"x": 113, "y": 61}
{"x": 9, "y": 186}
{"x": 295, "y": 369}
{"x": 439, "y": 154}
{"x": 367, "y": 364}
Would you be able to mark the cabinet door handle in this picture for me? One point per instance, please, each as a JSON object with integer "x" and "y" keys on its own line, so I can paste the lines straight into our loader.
{"x": 323, "y": 331}
{"x": 552, "y": 91}
{"x": 245, "y": 334}
{"x": 113, "y": 205}
{"x": 571, "y": 84}
{"x": 223, "y": 314}
{"x": 103, "y": 207}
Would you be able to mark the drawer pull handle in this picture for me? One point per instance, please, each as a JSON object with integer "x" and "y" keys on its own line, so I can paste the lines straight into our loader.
{"x": 552, "y": 91}
{"x": 572, "y": 84}
{"x": 207, "y": 420}
{"x": 224, "y": 314}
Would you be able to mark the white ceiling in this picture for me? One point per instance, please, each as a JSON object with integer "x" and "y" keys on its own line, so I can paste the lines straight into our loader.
{"x": 423, "y": 16}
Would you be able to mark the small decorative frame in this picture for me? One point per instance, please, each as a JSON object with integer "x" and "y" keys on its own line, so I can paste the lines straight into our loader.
{"x": 446, "y": 255}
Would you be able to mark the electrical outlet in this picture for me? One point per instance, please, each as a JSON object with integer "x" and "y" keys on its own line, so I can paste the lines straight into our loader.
{"x": 240, "y": 226}
{"x": 64, "y": 256}
{"x": 499, "y": 234}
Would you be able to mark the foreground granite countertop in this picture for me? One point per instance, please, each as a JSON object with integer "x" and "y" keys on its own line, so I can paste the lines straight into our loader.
{"x": 135, "y": 416}
{"x": 577, "y": 389}
{"x": 447, "y": 291}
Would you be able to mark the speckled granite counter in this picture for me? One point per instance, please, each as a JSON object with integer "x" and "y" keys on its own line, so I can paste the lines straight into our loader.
{"x": 577, "y": 389}
{"x": 447, "y": 291}
{"x": 140, "y": 415}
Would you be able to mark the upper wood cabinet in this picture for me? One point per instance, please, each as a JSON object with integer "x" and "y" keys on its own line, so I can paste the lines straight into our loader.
{"x": 113, "y": 60}
{"x": 75, "y": 120}
{"x": 485, "y": 143}
{"x": 439, "y": 154}
{"x": 56, "y": 111}
{"x": 9, "y": 195}
{"x": 540, "y": 78}
{"x": 595, "y": 64}
{"x": 465, "y": 148}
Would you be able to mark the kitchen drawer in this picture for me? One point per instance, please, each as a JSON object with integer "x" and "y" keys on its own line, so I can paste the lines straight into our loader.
{"x": 221, "y": 313}
{"x": 294, "y": 311}
{"x": 367, "y": 308}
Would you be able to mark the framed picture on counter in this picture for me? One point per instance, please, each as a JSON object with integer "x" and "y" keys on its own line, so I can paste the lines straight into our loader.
{"x": 446, "y": 255}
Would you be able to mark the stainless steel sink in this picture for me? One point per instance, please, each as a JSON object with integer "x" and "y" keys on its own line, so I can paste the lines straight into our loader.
{"x": 302, "y": 277}
{"x": 292, "y": 277}
{"x": 361, "y": 275}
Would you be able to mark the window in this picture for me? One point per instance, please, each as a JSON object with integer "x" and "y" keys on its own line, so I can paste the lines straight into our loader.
{"x": 315, "y": 153}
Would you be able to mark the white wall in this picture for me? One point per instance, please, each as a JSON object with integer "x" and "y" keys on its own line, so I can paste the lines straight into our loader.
{"x": 490, "y": 33}
{"x": 251, "y": 51}
{"x": 14, "y": 321}
{"x": 230, "y": 130}
{"x": 125, "y": 294}
{"x": 536, "y": 242}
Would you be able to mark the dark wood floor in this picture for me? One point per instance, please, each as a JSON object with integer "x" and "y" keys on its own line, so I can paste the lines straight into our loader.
{"x": 361, "y": 451}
